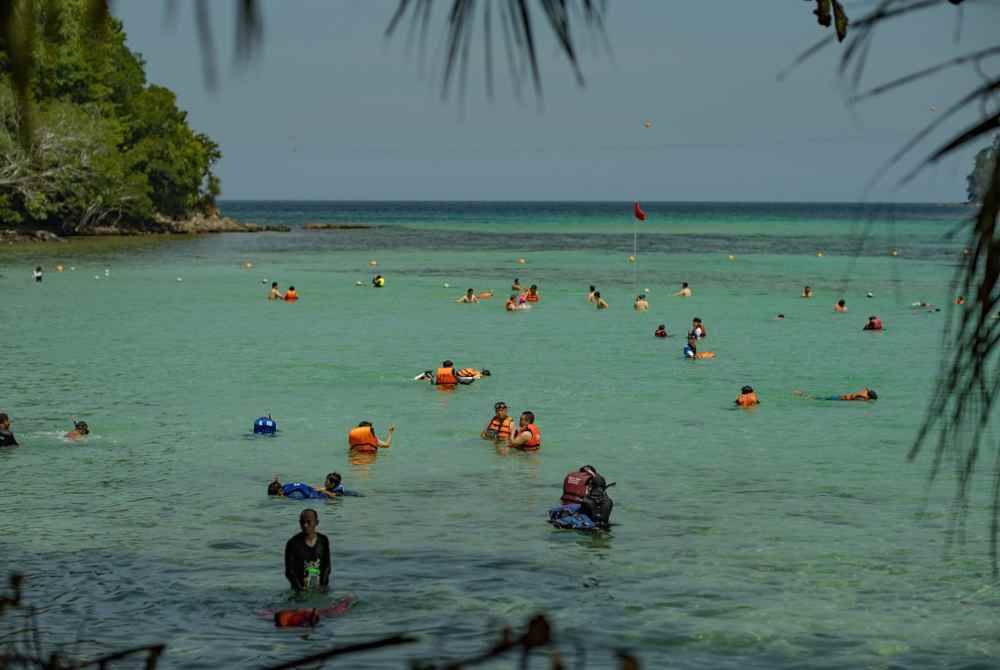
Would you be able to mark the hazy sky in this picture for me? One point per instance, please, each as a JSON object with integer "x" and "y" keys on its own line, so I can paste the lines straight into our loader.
{"x": 331, "y": 109}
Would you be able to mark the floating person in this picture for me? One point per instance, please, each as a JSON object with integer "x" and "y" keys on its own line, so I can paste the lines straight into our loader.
{"x": 585, "y": 503}
{"x": 864, "y": 394}
{"x": 378, "y": 281}
{"x": 807, "y": 292}
{"x": 7, "y": 438}
{"x": 841, "y": 306}
{"x": 291, "y": 295}
{"x": 473, "y": 373}
{"x": 265, "y": 425}
{"x": 532, "y": 295}
{"x": 691, "y": 350}
{"x": 307, "y": 556}
{"x": 747, "y": 397}
{"x": 333, "y": 487}
{"x": 516, "y": 285}
{"x": 470, "y": 296}
{"x": 500, "y": 426}
{"x": 685, "y": 291}
{"x": 960, "y": 300}
{"x": 600, "y": 302}
{"x": 527, "y": 436}
{"x": 80, "y": 431}
{"x": 274, "y": 293}
{"x": 698, "y": 330}
{"x": 591, "y": 294}
{"x": 511, "y": 305}
{"x": 362, "y": 439}
{"x": 294, "y": 491}
{"x": 661, "y": 331}
{"x": 641, "y": 304}
{"x": 874, "y": 323}
{"x": 36, "y": 274}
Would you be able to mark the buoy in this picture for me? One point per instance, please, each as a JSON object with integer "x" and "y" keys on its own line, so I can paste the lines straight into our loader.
{"x": 631, "y": 259}
{"x": 248, "y": 265}
{"x": 731, "y": 257}
{"x": 870, "y": 294}
{"x": 819, "y": 254}
{"x": 372, "y": 263}
{"x": 521, "y": 261}
{"x": 59, "y": 268}
{"x": 447, "y": 285}
{"x": 358, "y": 283}
{"x": 180, "y": 279}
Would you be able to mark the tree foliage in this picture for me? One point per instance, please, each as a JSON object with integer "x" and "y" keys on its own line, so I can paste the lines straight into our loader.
{"x": 982, "y": 169}
{"x": 102, "y": 144}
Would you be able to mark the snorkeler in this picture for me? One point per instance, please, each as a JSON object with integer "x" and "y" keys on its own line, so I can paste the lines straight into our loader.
{"x": 641, "y": 304}
{"x": 500, "y": 426}
{"x": 874, "y": 323}
{"x": 748, "y": 397}
{"x": 470, "y": 296}
{"x": 661, "y": 331}
{"x": 6, "y": 436}
{"x": 599, "y": 301}
{"x": 527, "y": 436}
{"x": 685, "y": 291}
{"x": 363, "y": 439}
{"x": 841, "y": 306}
{"x": 80, "y": 431}
{"x": 307, "y": 555}
{"x": 274, "y": 293}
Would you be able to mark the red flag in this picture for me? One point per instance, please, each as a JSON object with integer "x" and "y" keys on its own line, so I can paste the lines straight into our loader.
{"x": 639, "y": 214}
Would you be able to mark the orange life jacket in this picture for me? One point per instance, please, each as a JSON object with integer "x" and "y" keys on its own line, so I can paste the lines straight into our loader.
{"x": 291, "y": 296}
{"x": 362, "y": 439}
{"x": 445, "y": 377}
{"x": 531, "y": 297}
{"x": 575, "y": 487}
{"x": 499, "y": 430}
{"x": 747, "y": 400}
{"x": 536, "y": 437}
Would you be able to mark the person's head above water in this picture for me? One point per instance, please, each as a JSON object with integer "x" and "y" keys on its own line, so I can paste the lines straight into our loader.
{"x": 274, "y": 488}
{"x": 871, "y": 393}
{"x": 841, "y": 302}
{"x": 662, "y": 326}
{"x": 291, "y": 288}
{"x": 470, "y": 291}
{"x": 308, "y": 520}
{"x": 746, "y": 389}
{"x": 684, "y": 284}
{"x": 274, "y": 284}
{"x": 592, "y": 288}
{"x": 363, "y": 424}
{"x": 447, "y": 364}
{"x": 4, "y": 420}
{"x": 333, "y": 480}
{"x": 81, "y": 427}
{"x": 527, "y": 417}
{"x": 597, "y": 294}
{"x": 500, "y": 407}
{"x": 485, "y": 373}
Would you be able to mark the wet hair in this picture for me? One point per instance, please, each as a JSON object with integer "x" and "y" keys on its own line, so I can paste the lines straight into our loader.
{"x": 274, "y": 284}
{"x": 82, "y": 427}
{"x": 746, "y": 389}
{"x": 38, "y": 269}
{"x": 641, "y": 296}
{"x": 781, "y": 316}
{"x": 365, "y": 423}
{"x": 529, "y": 415}
{"x": 4, "y": 418}
{"x": 597, "y": 294}
{"x": 448, "y": 364}
{"x": 684, "y": 284}
{"x": 486, "y": 373}
{"x": 872, "y": 394}
{"x": 334, "y": 476}
{"x": 533, "y": 287}
{"x": 662, "y": 325}
{"x": 470, "y": 291}
{"x": 274, "y": 488}
{"x": 498, "y": 404}
{"x": 516, "y": 280}
{"x": 872, "y": 318}
{"x": 696, "y": 320}
{"x": 841, "y": 302}
{"x": 291, "y": 288}
{"x": 592, "y": 288}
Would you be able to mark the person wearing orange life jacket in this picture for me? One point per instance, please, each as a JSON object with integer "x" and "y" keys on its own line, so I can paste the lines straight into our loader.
{"x": 363, "y": 439}
{"x": 448, "y": 377}
{"x": 290, "y": 295}
{"x": 500, "y": 426}
{"x": 527, "y": 437}
{"x": 532, "y": 294}
{"x": 748, "y": 397}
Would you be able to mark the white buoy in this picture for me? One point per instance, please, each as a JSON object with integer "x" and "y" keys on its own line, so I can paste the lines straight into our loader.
{"x": 107, "y": 272}
{"x": 180, "y": 279}
{"x": 447, "y": 285}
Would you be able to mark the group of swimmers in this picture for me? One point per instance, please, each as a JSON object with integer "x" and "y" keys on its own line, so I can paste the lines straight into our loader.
{"x": 7, "y": 439}
{"x": 291, "y": 295}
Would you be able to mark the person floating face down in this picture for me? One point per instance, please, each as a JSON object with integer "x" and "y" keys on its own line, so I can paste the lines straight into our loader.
{"x": 527, "y": 436}
{"x": 500, "y": 426}
{"x": 748, "y": 397}
{"x": 307, "y": 556}
{"x": 362, "y": 439}
{"x": 874, "y": 323}
{"x": 80, "y": 431}
{"x": 864, "y": 394}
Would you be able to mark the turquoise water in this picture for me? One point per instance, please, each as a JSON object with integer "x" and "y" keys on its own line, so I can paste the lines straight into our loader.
{"x": 781, "y": 537}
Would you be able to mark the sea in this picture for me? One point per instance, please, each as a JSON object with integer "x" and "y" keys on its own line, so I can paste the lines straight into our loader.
{"x": 796, "y": 534}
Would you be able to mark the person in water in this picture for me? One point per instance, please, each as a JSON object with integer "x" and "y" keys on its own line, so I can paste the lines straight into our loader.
{"x": 599, "y": 301}
{"x": 274, "y": 293}
{"x": 512, "y": 305}
{"x": 960, "y": 300}
{"x": 807, "y": 292}
{"x": 585, "y": 493}
{"x": 874, "y": 323}
{"x": 698, "y": 330}
{"x": 36, "y": 274}
{"x": 661, "y": 331}
{"x": 362, "y": 439}
{"x": 685, "y": 291}
{"x": 841, "y": 306}
{"x": 748, "y": 397}
{"x": 307, "y": 556}
{"x": 80, "y": 431}
{"x": 500, "y": 426}
{"x": 691, "y": 350}
{"x": 641, "y": 304}
{"x": 7, "y": 438}
{"x": 448, "y": 376}
{"x": 470, "y": 296}
{"x": 516, "y": 285}
{"x": 333, "y": 487}
{"x": 294, "y": 490}
{"x": 591, "y": 293}
{"x": 532, "y": 295}
{"x": 864, "y": 394}
{"x": 378, "y": 281}
{"x": 527, "y": 436}
{"x": 291, "y": 295}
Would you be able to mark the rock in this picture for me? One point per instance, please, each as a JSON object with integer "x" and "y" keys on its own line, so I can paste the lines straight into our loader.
{"x": 12, "y": 236}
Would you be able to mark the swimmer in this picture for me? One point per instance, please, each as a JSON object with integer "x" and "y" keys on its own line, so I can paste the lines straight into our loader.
{"x": 841, "y": 306}
{"x": 599, "y": 301}
{"x": 333, "y": 487}
{"x": 691, "y": 350}
{"x": 641, "y": 304}
{"x": 485, "y": 295}
{"x": 500, "y": 426}
{"x": 36, "y": 274}
{"x": 698, "y": 330}
{"x": 512, "y": 305}
{"x": 80, "y": 431}
{"x": 864, "y": 394}
{"x": 472, "y": 373}
{"x": 516, "y": 285}
{"x": 780, "y": 317}
{"x": 378, "y": 281}
{"x": 363, "y": 438}
{"x": 807, "y": 292}
{"x": 274, "y": 293}
{"x": 291, "y": 295}
{"x": 874, "y": 323}
{"x": 7, "y": 438}
{"x": 591, "y": 293}
{"x": 685, "y": 291}
{"x": 748, "y": 397}
{"x": 307, "y": 556}
{"x": 532, "y": 295}
{"x": 960, "y": 300}
{"x": 470, "y": 296}
{"x": 527, "y": 436}
{"x": 661, "y": 331}
{"x": 294, "y": 490}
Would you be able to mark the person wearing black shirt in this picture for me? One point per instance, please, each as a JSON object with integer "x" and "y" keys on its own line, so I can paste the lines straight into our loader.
{"x": 307, "y": 556}
{"x": 6, "y": 437}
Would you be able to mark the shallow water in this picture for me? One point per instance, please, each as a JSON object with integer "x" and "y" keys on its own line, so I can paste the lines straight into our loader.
{"x": 780, "y": 537}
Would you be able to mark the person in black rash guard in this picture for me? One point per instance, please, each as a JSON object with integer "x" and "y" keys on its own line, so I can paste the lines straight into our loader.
{"x": 307, "y": 556}
{"x": 6, "y": 437}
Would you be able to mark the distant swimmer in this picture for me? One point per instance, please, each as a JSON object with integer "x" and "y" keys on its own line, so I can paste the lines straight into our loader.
{"x": 527, "y": 436}
{"x": 470, "y": 296}
{"x": 960, "y": 300}
{"x": 864, "y": 394}
{"x": 516, "y": 285}
{"x": 500, "y": 426}
{"x": 307, "y": 556}
{"x": 685, "y": 291}
{"x": 36, "y": 274}
{"x": 362, "y": 439}
{"x": 591, "y": 294}
{"x": 378, "y": 281}
{"x": 807, "y": 292}
{"x": 265, "y": 425}
{"x": 511, "y": 305}
{"x": 698, "y": 330}
{"x": 780, "y": 317}
{"x": 532, "y": 295}
{"x": 661, "y": 331}
{"x": 599, "y": 301}
{"x": 7, "y": 438}
{"x": 874, "y": 323}
{"x": 691, "y": 350}
{"x": 841, "y": 306}
{"x": 748, "y": 397}
{"x": 291, "y": 295}
{"x": 274, "y": 293}
{"x": 80, "y": 431}
{"x": 641, "y": 304}
{"x": 447, "y": 376}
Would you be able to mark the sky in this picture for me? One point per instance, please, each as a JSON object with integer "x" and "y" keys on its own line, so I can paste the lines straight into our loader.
{"x": 329, "y": 108}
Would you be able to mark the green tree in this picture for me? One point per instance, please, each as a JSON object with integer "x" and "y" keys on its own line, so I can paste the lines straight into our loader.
{"x": 978, "y": 180}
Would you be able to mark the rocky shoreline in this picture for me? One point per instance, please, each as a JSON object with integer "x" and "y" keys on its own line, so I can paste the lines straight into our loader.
{"x": 195, "y": 225}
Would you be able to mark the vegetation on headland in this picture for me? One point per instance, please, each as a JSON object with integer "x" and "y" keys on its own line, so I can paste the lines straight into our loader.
{"x": 100, "y": 148}
{"x": 978, "y": 181}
